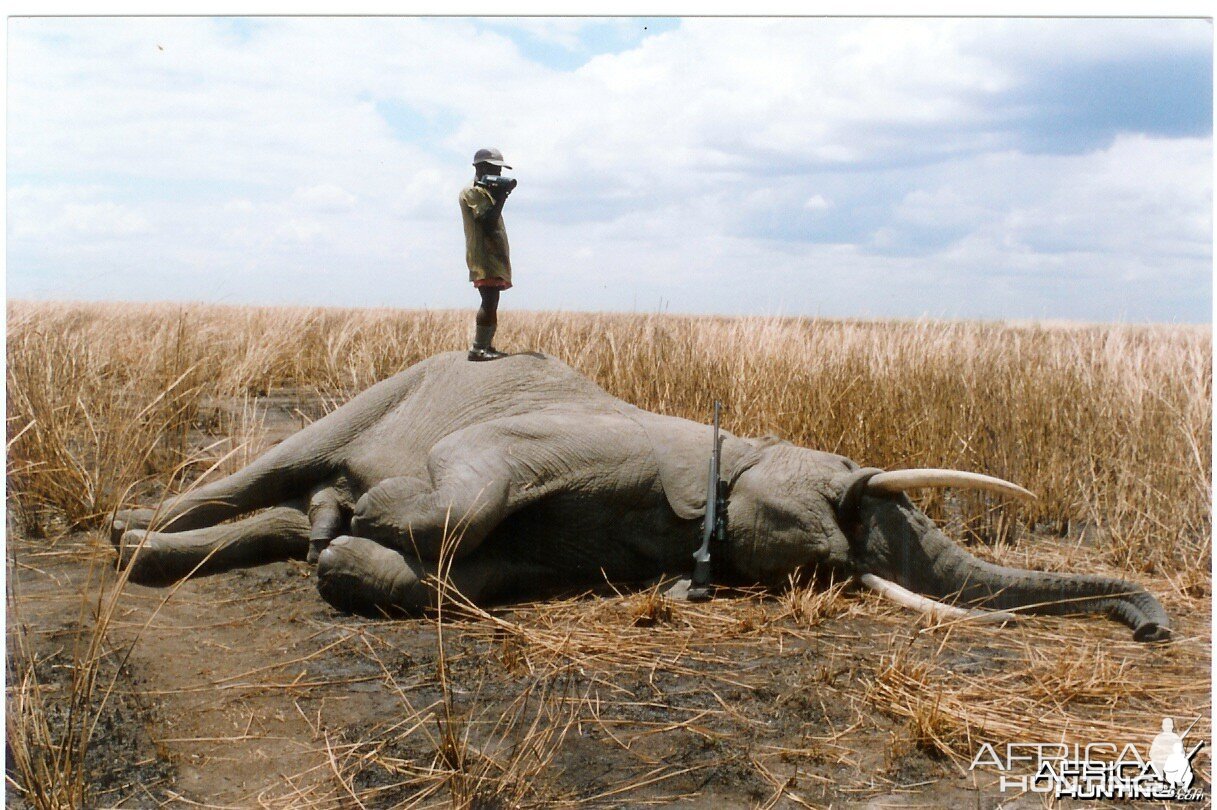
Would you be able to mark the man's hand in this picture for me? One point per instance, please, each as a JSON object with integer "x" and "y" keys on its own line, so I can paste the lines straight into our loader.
{"x": 495, "y": 210}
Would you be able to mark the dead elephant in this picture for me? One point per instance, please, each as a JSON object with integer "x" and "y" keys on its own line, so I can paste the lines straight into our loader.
{"x": 524, "y": 476}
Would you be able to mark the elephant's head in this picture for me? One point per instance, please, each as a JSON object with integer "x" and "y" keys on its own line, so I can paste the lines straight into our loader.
{"x": 793, "y": 508}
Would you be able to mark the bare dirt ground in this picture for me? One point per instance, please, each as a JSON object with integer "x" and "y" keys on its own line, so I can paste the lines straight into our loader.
{"x": 245, "y": 689}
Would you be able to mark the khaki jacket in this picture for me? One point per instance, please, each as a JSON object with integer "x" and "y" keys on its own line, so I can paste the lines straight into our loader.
{"x": 486, "y": 250}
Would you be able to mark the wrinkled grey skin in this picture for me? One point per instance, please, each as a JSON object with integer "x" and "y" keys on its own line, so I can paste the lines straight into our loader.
{"x": 530, "y": 477}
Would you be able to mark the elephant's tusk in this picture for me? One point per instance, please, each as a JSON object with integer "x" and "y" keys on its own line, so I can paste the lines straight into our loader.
{"x": 942, "y": 612}
{"x": 900, "y": 480}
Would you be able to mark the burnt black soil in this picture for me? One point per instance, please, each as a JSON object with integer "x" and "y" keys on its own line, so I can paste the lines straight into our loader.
{"x": 121, "y": 763}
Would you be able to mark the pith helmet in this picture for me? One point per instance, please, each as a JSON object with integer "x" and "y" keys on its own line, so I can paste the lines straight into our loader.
{"x": 492, "y": 156}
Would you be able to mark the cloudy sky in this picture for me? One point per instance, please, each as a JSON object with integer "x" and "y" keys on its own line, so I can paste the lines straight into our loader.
{"x": 1026, "y": 168}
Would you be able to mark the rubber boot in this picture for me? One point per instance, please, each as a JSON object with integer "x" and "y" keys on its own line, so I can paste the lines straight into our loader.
{"x": 482, "y": 348}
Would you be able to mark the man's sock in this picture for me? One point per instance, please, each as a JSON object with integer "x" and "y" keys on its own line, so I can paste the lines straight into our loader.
{"x": 482, "y": 336}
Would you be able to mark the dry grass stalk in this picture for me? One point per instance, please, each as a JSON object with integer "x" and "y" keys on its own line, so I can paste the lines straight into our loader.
{"x": 808, "y": 604}
{"x": 1120, "y": 694}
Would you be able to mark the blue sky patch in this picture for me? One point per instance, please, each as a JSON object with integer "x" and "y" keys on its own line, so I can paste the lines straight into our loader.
{"x": 411, "y": 125}
{"x": 1072, "y": 108}
{"x": 598, "y": 35}
{"x": 240, "y": 29}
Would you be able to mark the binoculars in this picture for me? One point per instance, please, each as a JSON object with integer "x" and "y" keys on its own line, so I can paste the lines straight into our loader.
{"x": 496, "y": 183}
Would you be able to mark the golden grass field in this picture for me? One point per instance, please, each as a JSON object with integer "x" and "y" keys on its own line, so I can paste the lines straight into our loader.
{"x": 1111, "y": 426}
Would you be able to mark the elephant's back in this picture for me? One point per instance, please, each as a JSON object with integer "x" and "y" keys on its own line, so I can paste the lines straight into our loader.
{"x": 449, "y": 393}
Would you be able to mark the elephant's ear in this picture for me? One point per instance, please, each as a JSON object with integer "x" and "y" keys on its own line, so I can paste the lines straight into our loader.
{"x": 682, "y": 450}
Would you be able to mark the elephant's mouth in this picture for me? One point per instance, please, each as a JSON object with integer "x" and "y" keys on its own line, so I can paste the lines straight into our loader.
{"x": 849, "y": 510}
{"x": 874, "y": 482}
{"x": 913, "y": 551}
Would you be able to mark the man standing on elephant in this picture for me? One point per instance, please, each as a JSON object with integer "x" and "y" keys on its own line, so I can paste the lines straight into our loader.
{"x": 486, "y": 251}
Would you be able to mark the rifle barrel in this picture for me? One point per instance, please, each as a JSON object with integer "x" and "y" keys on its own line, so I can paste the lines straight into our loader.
{"x": 702, "y": 555}
{"x": 701, "y": 569}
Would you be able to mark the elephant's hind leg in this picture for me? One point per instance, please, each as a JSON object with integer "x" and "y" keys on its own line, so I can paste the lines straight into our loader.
{"x": 160, "y": 558}
{"x": 430, "y": 520}
{"x": 361, "y": 576}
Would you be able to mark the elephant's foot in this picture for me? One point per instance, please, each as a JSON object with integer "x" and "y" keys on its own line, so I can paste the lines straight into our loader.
{"x": 161, "y": 558}
{"x": 357, "y": 575}
{"x": 126, "y": 520}
{"x": 139, "y": 551}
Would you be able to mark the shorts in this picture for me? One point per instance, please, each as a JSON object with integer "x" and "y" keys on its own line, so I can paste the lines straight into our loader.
{"x": 494, "y": 283}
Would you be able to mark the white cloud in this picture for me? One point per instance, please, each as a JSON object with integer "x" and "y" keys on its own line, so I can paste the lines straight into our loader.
{"x": 105, "y": 219}
{"x": 567, "y": 33}
{"x": 1139, "y": 196}
{"x": 71, "y": 214}
{"x": 428, "y": 193}
{"x": 325, "y": 198}
{"x": 300, "y": 230}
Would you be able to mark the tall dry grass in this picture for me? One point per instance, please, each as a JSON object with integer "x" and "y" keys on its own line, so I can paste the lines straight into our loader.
{"x": 1110, "y": 425}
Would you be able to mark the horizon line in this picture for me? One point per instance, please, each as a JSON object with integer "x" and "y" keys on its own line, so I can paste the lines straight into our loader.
{"x": 1018, "y": 321}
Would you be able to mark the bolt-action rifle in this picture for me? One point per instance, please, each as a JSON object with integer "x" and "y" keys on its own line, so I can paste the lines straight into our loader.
{"x": 714, "y": 525}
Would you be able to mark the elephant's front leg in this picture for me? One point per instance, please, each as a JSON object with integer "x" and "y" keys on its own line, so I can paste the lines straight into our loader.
{"x": 357, "y": 575}
{"x": 160, "y": 558}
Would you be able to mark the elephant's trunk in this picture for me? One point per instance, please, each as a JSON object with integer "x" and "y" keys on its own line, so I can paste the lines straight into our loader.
{"x": 923, "y": 559}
